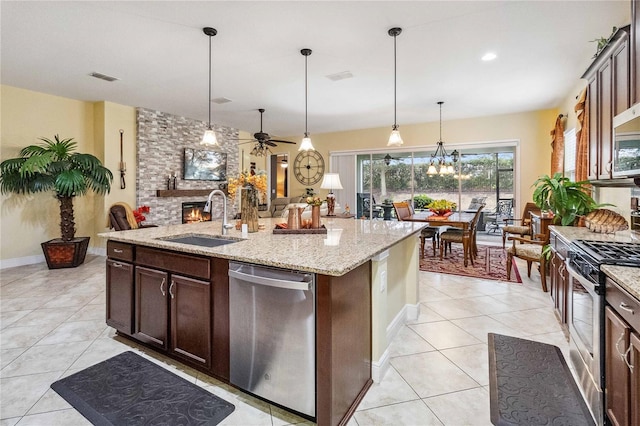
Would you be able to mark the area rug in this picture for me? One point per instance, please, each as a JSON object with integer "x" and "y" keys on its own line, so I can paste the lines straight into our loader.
{"x": 491, "y": 263}
{"x": 130, "y": 390}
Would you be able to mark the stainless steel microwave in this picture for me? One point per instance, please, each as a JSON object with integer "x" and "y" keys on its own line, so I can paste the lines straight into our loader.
{"x": 626, "y": 143}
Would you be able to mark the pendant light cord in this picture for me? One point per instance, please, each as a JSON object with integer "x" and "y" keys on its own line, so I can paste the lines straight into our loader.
{"x": 209, "y": 99}
{"x": 395, "y": 73}
{"x": 305, "y": 97}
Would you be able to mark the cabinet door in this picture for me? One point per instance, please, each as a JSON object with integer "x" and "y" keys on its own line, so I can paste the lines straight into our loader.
{"x": 191, "y": 319}
{"x": 563, "y": 294}
{"x": 151, "y": 324}
{"x": 635, "y": 379}
{"x": 620, "y": 85}
{"x": 120, "y": 296}
{"x": 594, "y": 113}
{"x": 605, "y": 78}
{"x": 635, "y": 51}
{"x": 617, "y": 392}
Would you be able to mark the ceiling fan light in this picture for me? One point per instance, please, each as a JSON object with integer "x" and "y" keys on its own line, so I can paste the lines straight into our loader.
{"x": 306, "y": 144}
{"x": 209, "y": 138}
{"x": 394, "y": 138}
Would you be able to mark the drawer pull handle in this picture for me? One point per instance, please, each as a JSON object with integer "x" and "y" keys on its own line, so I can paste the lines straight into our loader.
{"x": 117, "y": 265}
{"x": 162, "y": 287}
{"x": 118, "y": 250}
{"x": 171, "y": 289}
{"x": 626, "y": 307}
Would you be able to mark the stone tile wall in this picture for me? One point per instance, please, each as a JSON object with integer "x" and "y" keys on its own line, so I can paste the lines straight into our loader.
{"x": 161, "y": 139}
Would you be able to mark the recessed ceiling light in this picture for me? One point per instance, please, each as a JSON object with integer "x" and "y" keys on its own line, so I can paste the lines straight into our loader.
{"x": 489, "y": 56}
{"x": 340, "y": 76}
{"x": 103, "y": 76}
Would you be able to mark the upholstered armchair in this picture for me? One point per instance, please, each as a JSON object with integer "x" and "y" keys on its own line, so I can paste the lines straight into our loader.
{"x": 520, "y": 226}
{"x": 530, "y": 250}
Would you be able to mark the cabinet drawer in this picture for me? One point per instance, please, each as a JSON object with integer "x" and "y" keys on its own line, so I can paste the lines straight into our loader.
{"x": 624, "y": 304}
{"x": 190, "y": 265}
{"x": 120, "y": 251}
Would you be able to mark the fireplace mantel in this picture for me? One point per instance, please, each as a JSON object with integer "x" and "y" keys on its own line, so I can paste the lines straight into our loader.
{"x": 183, "y": 192}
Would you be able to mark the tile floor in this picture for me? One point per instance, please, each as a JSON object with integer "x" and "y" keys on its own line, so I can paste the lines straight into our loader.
{"x": 52, "y": 325}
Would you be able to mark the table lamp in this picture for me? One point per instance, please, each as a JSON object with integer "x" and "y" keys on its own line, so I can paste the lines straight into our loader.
{"x": 331, "y": 181}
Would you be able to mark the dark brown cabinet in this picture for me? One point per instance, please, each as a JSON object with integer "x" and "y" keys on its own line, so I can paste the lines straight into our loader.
{"x": 152, "y": 308}
{"x": 559, "y": 278}
{"x": 609, "y": 94}
{"x": 622, "y": 357}
{"x": 635, "y": 51}
{"x": 120, "y": 296}
{"x": 173, "y": 313}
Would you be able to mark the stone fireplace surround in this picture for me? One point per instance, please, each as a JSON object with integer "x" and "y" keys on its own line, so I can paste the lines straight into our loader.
{"x": 161, "y": 139}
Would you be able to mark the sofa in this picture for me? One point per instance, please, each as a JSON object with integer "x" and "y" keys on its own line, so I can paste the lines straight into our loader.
{"x": 279, "y": 205}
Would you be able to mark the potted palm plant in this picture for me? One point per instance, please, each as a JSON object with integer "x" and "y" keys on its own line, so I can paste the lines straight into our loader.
{"x": 567, "y": 200}
{"x": 54, "y": 166}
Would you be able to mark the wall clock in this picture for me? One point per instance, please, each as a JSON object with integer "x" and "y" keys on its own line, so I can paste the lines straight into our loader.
{"x": 308, "y": 167}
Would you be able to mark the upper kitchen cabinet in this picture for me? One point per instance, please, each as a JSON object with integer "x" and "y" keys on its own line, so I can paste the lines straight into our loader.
{"x": 609, "y": 94}
{"x": 635, "y": 51}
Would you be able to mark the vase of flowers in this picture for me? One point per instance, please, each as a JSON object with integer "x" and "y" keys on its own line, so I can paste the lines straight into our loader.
{"x": 249, "y": 185}
{"x": 315, "y": 203}
{"x": 441, "y": 207}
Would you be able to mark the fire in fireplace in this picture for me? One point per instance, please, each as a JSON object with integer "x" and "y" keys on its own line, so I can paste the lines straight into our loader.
{"x": 193, "y": 212}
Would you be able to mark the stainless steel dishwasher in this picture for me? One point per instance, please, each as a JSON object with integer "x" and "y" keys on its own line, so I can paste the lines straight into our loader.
{"x": 272, "y": 326}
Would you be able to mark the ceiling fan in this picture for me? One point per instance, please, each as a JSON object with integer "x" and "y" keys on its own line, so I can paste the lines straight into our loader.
{"x": 387, "y": 159}
{"x": 262, "y": 141}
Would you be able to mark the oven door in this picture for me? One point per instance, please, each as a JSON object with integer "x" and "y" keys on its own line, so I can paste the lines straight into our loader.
{"x": 585, "y": 331}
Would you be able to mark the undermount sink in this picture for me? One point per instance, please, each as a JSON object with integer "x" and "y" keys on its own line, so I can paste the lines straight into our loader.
{"x": 200, "y": 240}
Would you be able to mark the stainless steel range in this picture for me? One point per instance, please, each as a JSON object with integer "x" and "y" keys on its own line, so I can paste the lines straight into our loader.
{"x": 586, "y": 320}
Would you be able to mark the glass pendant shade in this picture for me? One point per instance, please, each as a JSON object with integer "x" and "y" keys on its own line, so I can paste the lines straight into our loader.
{"x": 432, "y": 170}
{"x": 306, "y": 144}
{"x": 209, "y": 138}
{"x": 394, "y": 138}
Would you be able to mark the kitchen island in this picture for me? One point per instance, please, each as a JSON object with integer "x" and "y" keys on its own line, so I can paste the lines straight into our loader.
{"x": 174, "y": 297}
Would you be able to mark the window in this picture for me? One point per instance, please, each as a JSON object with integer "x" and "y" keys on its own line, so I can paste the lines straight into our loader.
{"x": 570, "y": 153}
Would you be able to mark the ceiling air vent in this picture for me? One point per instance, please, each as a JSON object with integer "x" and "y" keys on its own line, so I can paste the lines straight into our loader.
{"x": 103, "y": 76}
{"x": 340, "y": 76}
{"x": 221, "y": 101}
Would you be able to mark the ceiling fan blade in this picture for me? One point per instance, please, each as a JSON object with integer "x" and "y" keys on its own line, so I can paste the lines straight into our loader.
{"x": 281, "y": 141}
{"x": 248, "y": 141}
{"x": 242, "y": 139}
{"x": 270, "y": 143}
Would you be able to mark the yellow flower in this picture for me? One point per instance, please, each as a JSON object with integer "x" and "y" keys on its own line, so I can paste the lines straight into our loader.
{"x": 258, "y": 181}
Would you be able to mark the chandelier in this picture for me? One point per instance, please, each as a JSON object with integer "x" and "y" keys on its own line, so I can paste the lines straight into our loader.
{"x": 441, "y": 162}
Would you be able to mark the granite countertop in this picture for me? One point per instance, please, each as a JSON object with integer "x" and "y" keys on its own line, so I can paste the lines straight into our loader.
{"x": 348, "y": 243}
{"x": 627, "y": 276}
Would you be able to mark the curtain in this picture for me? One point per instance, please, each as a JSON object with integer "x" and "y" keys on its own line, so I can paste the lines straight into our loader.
{"x": 582, "y": 136}
{"x": 557, "y": 147}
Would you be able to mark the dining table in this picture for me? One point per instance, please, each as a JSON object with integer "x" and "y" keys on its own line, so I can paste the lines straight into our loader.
{"x": 460, "y": 220}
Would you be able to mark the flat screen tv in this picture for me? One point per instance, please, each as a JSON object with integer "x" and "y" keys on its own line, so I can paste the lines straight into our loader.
{"x": 204, "y": 165}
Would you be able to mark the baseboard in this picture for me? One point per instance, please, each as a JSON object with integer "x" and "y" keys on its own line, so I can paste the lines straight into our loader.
{"x": 31, "y": 260}
{"x": 21, "y": 261}
{"x": 407, "y": 313}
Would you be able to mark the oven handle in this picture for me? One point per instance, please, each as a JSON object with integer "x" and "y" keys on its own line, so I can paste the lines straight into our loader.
{"x": 588, "y": 285}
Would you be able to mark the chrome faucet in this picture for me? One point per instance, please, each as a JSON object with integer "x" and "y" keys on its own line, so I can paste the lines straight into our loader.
{"x": 207, "y": 209}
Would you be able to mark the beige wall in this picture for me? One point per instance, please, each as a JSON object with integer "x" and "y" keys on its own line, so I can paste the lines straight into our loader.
{"x": 531, "y": 129}
{"x": 28, "y": 220}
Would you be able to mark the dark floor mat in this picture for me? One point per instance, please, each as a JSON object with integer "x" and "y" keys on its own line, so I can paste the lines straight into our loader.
{"x": 530, "y": 383}
{"x": 130, "y": 390}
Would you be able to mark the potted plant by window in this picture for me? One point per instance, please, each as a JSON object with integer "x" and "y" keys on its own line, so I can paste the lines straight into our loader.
{"x": 54, "y": 166}
{"x": 568, "y": 201}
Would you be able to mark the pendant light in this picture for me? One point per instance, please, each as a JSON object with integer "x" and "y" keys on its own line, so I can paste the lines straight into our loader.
{"x": 209, "y": 137}
{"x": 440, "y": 156}
{"x": 394, "y": 139}
{"x": 306, "y": 144}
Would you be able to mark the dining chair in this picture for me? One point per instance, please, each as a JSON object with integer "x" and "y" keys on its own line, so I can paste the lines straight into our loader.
{"x": 456, "y": 236}
{"x": 495, "y": 219}
{"x": 530, "y": 250}
{"x": 403, "y": 210}
{"x": 520, "y": 226}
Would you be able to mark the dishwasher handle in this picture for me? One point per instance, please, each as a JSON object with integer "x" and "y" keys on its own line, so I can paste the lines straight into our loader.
{"x": 271, "y": 282}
